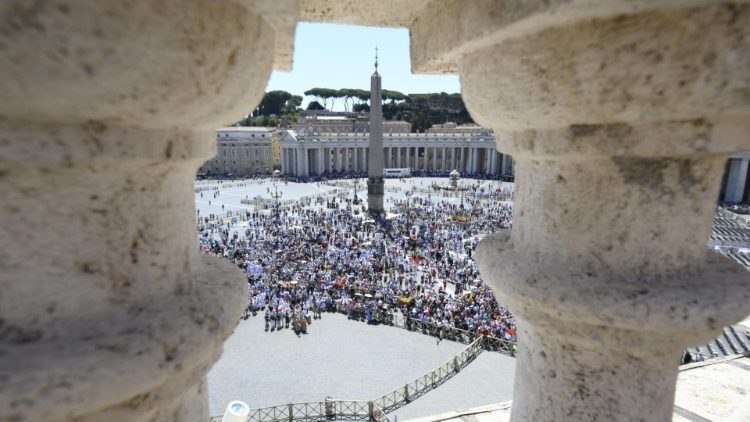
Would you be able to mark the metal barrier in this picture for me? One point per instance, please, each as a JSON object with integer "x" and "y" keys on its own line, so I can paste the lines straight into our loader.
{"x": 492, "y": 344}
{"x": 374, "y": 410}
{"x": 402, "y": 396}
{"x": 329, "y": 410}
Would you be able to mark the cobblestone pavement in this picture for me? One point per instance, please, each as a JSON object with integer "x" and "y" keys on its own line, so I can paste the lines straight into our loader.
{"x": 349, "y": 360}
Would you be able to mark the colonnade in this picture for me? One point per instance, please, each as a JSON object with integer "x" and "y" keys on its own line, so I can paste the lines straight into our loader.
{"x": 305, "y": 161}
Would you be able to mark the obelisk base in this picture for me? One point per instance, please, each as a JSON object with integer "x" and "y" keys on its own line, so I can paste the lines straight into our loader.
{"x": 375, "y": 196}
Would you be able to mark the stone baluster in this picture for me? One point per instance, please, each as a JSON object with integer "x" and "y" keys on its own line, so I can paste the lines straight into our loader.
{"x": 620, "y": 119}
{"x": 108, "y": 311}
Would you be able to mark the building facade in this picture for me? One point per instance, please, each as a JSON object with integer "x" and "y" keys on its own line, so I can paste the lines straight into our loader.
{"x": 242, "y": 151}
{"x": 452, "y": 127}
{"x": 472, "y": 153}
{"x": 276, "y": 148}
{"x": 345, "y": 123}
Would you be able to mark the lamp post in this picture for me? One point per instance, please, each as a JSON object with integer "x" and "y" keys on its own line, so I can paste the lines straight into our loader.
{"x": 356, "y": 188}
{"x": 276, "y": 195}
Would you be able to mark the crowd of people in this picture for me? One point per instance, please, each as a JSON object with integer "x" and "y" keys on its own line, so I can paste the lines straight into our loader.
{"x": 330, "y": 256}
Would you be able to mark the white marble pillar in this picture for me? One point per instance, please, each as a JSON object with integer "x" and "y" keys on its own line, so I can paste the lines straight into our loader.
{"x": 290, "y": 162}
{"x": 399, "y": 164}
{"x": 109, "y": 311}
{"x": 445, "y": 159}
{"x": 320, "y": 157}
{"x": 293, "y": 153}
{"x": 736, "y": 180}
{"x": 408, "y": 158}
{"x": 487, "y": 158}
{"x": 606, "y": 283}
{"x": 305, "y": 161}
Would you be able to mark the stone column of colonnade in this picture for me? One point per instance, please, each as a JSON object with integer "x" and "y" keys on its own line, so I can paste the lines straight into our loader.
{"x": 108, "y": 309}
{"x": 620, "y": 118}
{"x": 320, "y": 160}
{"x": 490, "y": 161}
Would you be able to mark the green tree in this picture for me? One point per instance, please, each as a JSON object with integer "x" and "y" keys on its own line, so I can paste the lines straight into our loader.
{"x": 292, "y": 104}
{"x": 347, "y": 94}
{"x": 273, "y": 102}
{"x": 314, "y": 105}
{"x": 358, "y": 108}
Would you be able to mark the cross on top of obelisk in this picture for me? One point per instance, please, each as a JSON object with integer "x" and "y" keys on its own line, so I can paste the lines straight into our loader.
{"x": 376, "y": 59}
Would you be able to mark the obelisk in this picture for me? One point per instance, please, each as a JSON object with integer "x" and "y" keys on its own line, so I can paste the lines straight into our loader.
{"x": 375, "y": 162}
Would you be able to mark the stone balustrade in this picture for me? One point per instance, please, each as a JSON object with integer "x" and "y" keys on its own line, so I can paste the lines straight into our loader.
{"x": 620, "y": 116}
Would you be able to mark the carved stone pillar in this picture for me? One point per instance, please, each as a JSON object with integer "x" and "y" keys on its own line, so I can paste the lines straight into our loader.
{"x": 107, "y": 309}
{"x": 620, "y": 124}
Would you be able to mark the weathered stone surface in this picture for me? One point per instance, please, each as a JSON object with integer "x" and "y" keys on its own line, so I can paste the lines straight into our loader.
{"x": 389, "y": 13}
{"x": 620, "y": 127}
{"x": 619, "y": 115}
{"x": 107, "y": 310}
{"x": 649, "y": 67}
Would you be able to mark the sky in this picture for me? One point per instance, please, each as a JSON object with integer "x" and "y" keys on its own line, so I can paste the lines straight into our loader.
{"x": 343, "y": 56}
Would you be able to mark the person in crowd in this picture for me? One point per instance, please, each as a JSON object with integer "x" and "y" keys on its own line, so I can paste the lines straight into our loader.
{"x": 326, "y": 255}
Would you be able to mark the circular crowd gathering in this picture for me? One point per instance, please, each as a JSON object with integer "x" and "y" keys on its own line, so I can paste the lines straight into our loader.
{"x": 328, "y": 255}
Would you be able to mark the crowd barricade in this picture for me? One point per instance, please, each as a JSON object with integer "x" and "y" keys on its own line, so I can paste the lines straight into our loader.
{"x": 374, "y": 410}
{"x": 493, "y": 344}
{"x": 346, "y": 410}
{"x": 416, "y": 388}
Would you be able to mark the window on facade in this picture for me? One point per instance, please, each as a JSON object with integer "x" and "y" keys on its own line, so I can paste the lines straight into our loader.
{"x": 247, "y": 152}
{"x": 256, "y": 152}
{"x": 224, "y": 152}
